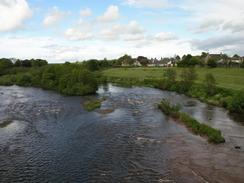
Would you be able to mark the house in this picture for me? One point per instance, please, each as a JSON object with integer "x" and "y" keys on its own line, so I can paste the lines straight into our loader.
{"x": 13, "y": 60}
{"x": 137, "y": 63}
{"x": 218, "y": 57}
{"x": 152, "y": 62}
{"x": 166, "y": 62}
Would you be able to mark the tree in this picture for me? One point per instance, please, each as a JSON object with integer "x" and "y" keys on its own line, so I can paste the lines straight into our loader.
{"x": 143, "y": 60}
{"x": 177, "y": 57}
{"x": 38, "y": 62}
{"x": 26, "y": 63}
{"x": 204, "y": 55}
{"x": 210, "y": 84}
{"x": 92, "y": 65}
{"x": 237, "y": 104}
{"x": 189, "y": 61}
{"x": 236, "y": 56}
{"x": 188, "y": 77}
{"x": 17, "y": 63}
{"x": 170, "y": 76}
{"x": 212, "y": 63}
{"x": 126, "y": 59}
{"x": 4, "y": 65}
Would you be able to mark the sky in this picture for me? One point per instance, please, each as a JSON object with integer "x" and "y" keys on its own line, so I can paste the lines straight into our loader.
{"x": 75, "y": 30}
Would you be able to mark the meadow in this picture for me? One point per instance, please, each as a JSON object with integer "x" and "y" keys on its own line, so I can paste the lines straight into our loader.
{"x": 228, "y": 78}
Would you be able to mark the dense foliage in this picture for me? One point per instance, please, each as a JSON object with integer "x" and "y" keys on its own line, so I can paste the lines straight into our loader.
{"x": 69, "y": 79}
{"x": 214, "y": 136}
{"x": 212, "y": 63}
{"x": 5, "y": 64}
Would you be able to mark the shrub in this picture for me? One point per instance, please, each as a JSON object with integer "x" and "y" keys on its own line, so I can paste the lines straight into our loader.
{"x": 210, "y": 84}
{"x": 188, "y": 77}
{"x": 237, "y": 104}
{"x": 212, "y": 63}
{"x": 169, "y": 109}
{"x": 170, "y": 76}
{"x": 24, "y": 80}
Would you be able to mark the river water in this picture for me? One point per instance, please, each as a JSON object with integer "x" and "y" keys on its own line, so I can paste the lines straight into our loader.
{"x": 46, "y": 137}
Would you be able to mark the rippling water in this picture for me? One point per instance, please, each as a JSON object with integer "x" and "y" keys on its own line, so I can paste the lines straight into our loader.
{"x": 51, "y": 138}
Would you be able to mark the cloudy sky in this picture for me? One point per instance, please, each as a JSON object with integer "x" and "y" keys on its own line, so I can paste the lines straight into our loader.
{"x": 70, "y": 30}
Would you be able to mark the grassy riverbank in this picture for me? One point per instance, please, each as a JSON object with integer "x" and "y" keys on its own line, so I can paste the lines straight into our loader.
{"x": 213, "y": 135}
{"x": 230, "y": 78}
{"x": 228, "y": 92}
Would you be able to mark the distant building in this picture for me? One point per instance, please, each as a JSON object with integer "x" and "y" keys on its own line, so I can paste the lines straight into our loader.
{"x": 137, "y": 63}
{"x": 152, "y": 62}
{"x": 13, "y": 60}
{"x": 218, "y": 57}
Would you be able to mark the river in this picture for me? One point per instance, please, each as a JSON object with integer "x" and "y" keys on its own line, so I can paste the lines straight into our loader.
{"x": 47, "y": 137}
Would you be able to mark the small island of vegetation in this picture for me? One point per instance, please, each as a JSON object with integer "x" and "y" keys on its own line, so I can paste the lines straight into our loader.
{"x": 213, "y": 135}
{"x": 93, "y": 104}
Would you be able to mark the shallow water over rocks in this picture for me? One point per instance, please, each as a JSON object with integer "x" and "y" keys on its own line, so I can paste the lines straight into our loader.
{"x": 51, "y": 138}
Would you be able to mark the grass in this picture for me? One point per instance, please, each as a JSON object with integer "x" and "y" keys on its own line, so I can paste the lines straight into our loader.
{"x": 213, "y": 135}
{"x": 228, "y": 78}
{"x": 93, "y": 104}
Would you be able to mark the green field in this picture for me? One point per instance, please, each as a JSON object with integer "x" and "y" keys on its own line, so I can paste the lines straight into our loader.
{"x": 230, "y": 78}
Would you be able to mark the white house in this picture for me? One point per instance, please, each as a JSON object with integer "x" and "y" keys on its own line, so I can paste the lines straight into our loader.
{"x": 137, "y": 63}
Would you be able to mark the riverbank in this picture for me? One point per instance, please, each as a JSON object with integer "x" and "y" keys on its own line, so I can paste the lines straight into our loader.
{"x": 78, "y": 80}
{"x": 227, "y": 78}
{"x": 229, "y": 98}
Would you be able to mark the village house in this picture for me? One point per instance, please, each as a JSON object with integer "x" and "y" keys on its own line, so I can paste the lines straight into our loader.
{"x": 137, "y": 63}
{"x": 223, "y": 60}
{"x": 152, "y": 62}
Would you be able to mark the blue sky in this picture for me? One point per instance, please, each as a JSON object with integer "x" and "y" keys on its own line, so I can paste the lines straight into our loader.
{"x": 71, "y": 30}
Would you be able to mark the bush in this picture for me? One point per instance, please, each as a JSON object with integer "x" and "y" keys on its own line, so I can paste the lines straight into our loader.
{"x": 24, "y": 80}
{"x": 188, "y": 77}
{"x": 210, "y": 84}
{"x": 237, "y": 103}
{"x": 169, "y": 109}
{"x": 170, "y": 76}
{"x": 212, "y": 63}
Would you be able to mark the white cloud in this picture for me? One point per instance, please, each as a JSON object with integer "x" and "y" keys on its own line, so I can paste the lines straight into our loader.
{"x": 134, "y": 28}
{"x": 165, "y": 36}
{"x": 220, "y": 42}
{"x": 76, "y": 34}
{"x": 156, "y": 4}
{"x": 54, "y": 17}
{"x": 13, "y": 13}
{"x": 220, "y": 24}
{"x": 218, "y": 15}
{"x": 58, "y": 50}
{"x": 111, "y": 14}
{"x": 85, "y": 12}
{"x": 125, "y": 31}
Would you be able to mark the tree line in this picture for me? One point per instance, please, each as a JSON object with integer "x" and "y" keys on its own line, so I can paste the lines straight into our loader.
{"x": 6, "y": 64}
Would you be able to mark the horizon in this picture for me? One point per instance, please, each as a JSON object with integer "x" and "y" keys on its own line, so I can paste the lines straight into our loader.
{"x": 70, "y": 30}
